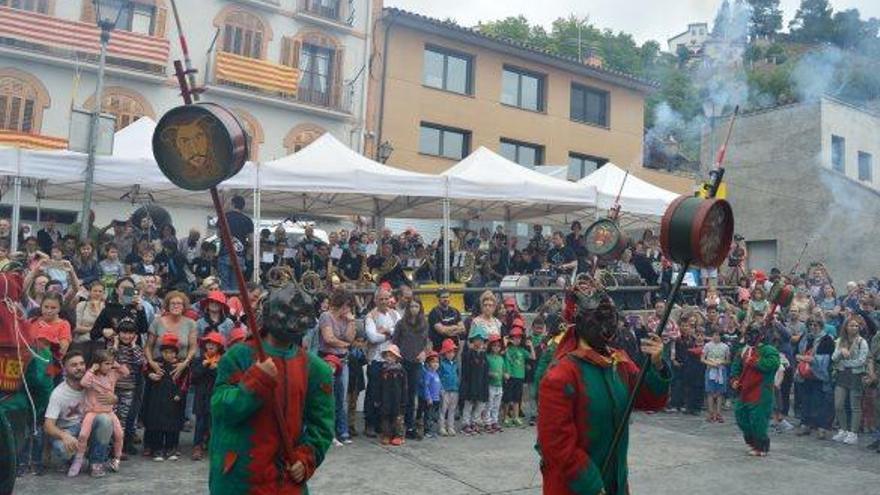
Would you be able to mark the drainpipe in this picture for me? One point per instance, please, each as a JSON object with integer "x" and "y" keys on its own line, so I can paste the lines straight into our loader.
{"x": 365, "y": 85}
{"x": 379, "y": 136}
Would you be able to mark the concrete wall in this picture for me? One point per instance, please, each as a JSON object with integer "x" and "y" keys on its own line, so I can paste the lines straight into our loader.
{"x": 781, "y": 190}
{"x": 861, "y": 130}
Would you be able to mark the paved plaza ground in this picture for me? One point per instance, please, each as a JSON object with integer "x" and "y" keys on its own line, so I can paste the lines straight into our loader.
{"x": 669, "y": 454}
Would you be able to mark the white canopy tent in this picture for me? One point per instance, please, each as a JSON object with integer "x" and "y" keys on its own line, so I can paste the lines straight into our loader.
{"x": 637, "y": 197}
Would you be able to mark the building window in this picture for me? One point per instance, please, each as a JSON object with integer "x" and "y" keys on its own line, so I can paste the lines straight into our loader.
{"x": 448, "y": 70}
{"x": 526, "y": 154}
{"x": 243, "y": 34}
{"x": 589, "y": 105}
{"x": 301, "y": 136}
{"x": 315, "y": 82}
{"x": 324, "y": 8}
{"x": 522, "y": 89}
{"x": 22, "y": 100}
{"x": 838, "y": 154}
{"x": 125, "y": 104}
{"x": 580, "y": 166}
{"x": 140, "y": 19}
{"x": 39, "y": 6}
{"x": 444, "y": 141}
{"x": 866, "y": 166}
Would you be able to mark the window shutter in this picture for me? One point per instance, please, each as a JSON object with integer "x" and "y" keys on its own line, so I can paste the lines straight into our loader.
{"x": 290, "y": 49}
{"x": 88, "y": 12}
{"x": 160, "y": 22}
{"x": 337, "y": 81}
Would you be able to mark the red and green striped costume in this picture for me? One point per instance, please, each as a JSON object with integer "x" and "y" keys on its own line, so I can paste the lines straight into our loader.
{"x": 245, "y": 446}
{"x": 585, "y": 393}
{"x": 754, "y": 368}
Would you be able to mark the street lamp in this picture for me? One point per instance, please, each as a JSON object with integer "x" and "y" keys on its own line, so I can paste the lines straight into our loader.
{"x": 385, "y": 150}
{"x": 108, "y": 14}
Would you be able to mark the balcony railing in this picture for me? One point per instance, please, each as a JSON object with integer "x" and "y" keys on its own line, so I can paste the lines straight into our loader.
{"x": 41, "y": 33}
{"x": 275, "y": 80}
{"x": 323, "y": 8}
{"x": 31, "y": 141}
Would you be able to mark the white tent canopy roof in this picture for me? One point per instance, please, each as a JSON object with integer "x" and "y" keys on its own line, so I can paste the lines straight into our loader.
{"x": 328, "y": 177}
{"x": 638, "y": 196}
{"x": 135, "y": 140}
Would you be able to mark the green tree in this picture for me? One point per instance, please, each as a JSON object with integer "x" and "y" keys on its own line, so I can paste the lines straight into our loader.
{"x": 848, "y": 27}
{"x": 766, "y": 18}
{"x": 722, "y": 21}
{"x": 812, "y": 22}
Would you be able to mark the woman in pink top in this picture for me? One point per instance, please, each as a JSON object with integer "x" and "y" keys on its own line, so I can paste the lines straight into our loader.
{"x": 101, "y": 378}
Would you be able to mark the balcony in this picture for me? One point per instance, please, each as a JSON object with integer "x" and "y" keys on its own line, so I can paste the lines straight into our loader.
{"x": 31, "y": 141}
{"x": 278, "y": 82}
{"x": 328, "y": 9}
{"x": 77, "y": 41}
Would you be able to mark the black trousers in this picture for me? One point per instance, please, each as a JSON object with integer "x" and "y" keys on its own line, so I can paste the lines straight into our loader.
{"x": 373, "y": 397}
{"x": 159, "y": 441}
{"x": 413, "y": 371}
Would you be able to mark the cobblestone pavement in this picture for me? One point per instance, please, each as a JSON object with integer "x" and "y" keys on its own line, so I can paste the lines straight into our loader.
{"x": 669, "y": 454}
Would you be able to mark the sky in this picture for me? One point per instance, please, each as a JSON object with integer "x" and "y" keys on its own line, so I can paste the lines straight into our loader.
{"x": 644, "y": 19}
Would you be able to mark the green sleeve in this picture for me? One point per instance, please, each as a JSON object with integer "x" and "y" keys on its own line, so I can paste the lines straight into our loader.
{"x": 588, "y": 481}
{"x": 240, "y": 388}
{"x": 320, "y": 411}
{"x": 768, "y": 359}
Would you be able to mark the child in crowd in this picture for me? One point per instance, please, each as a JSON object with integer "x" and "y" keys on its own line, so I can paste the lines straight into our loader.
{"x": 430, "y": 394}
{"x": 539, "y": 331}
{"x": 204, "y": 373}
{"x": 204, "y": 265}
{"x": 716, "y": 357}
{"x": 111, "y": 268}
{"x": 514, "y": 375}
{"x": 100, "y": 379}
{"x": 130, "y": 355}
{"x": 474, "y": 388}
{"x": 496, "y": 382}
{"x": 694, "y": 373}
{"x": 448, "y": 372}
{"x": 357, "y": 382}
{"x": 393, "y": 385}
{"x": 214, "y": 315}
{"x": 50, "y": 324}
{"x": 55, "y": 267}
{"x": 147, "y": 264}
{"x": 164, "y": 401}
{"x": 238, "y": 334}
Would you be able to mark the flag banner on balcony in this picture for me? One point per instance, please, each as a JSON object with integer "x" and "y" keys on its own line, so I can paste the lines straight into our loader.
{"x": 256, "y": 73}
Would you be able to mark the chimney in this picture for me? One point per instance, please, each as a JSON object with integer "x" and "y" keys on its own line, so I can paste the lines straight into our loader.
{"x": 593, "y": 57}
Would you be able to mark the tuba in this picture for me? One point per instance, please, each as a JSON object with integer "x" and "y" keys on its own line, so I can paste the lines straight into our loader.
{"x": 468, "y": 268}
{"x": 311, "y": 282}
{"x": 279, "y": 276}
{"x": 388, "y": 265}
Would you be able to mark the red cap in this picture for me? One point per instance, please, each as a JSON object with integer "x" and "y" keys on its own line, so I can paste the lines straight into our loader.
{"x": 238, "y": 334}
{"x": 169, "y": 340}
{"x": 516, "y": 331}
{"x": 447, "y": 346}
{"x": 494, "y": 337}
{"x": 760, "y": 276}
{"x": 335, "y": 362}
{"x": 509, "y": 302}
{"x": 518, "y": 322}
{"x": 432, "y": 355}
{"x": 214, "y": 296}
{"x": 214, "y": 337}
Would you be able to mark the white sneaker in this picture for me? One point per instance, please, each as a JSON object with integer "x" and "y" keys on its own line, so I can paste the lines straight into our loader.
{"x": 443, "y": 432}
{"x": 840, "y": 436}
{"x": 851, "y": 438}
{"x": 337, "y": 443}
{"x": 785, "y": 425}
{"x": 451, "y": 431}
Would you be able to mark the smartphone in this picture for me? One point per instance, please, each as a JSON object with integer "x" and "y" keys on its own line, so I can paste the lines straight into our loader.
{"x": 127, "y": 296}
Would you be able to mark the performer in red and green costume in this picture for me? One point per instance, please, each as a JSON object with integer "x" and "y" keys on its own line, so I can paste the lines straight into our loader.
{"x": 246, "y": 452}
{"x": 23, "y": 396}
{"x": 752, "y": 374}
{"x": 583, "y": 397}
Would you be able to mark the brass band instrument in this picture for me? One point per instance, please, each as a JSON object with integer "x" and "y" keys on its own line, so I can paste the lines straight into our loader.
{"x": 312, "y": 282}
{"x": 468, "y": 268}
{"x": 389, "y": 264}
{"x": 279, "y": 276}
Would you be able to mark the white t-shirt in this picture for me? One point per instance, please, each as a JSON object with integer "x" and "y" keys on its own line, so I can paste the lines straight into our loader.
{"x": 378, "y": 343}
{"x": 66, "y": 406}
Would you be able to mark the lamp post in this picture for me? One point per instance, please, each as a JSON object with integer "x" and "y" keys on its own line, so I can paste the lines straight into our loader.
{"x": 385, "y": 150}
{"x": 108, "y": 13}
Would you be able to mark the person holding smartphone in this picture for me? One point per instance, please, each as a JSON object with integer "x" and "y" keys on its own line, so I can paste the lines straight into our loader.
{"x": 125, "y": 302}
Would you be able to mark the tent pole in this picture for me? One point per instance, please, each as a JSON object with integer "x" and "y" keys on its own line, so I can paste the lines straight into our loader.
{"x": 258, "y": 217}
{"x": 16, "y": 213}
{"x": 446, "y": 240}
